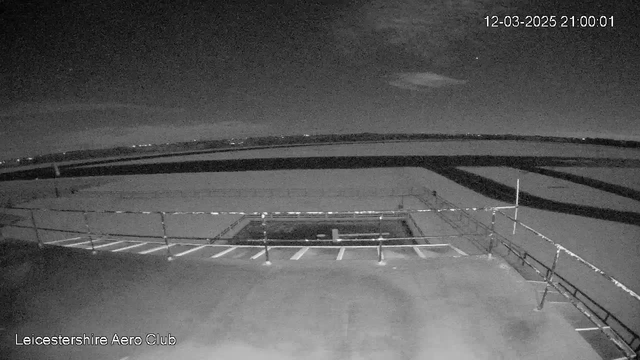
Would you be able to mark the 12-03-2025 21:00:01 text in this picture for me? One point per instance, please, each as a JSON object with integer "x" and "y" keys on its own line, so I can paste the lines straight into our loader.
{"x": 549, "y": 21}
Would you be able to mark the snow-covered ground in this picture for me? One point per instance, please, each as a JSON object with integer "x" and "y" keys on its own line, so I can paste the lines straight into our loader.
{"x": 551, "y": 188}
{"x": 628, "y": 177}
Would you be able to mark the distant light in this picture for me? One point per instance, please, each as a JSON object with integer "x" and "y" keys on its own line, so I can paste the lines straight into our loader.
{"x": 133, "y": 146}
{"x": 306, "y": 134}
{"x": 584, "y": 138}
{"x": 18, "y": 160}
{"x": 29, "y": 158}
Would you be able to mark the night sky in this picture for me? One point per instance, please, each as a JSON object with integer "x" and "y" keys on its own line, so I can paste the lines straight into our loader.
{"x": 92, "y": 74}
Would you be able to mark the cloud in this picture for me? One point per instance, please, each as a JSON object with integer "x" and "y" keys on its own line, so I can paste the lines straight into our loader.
{"x": 39, "y": 108}
{"x": 419, "y": 81}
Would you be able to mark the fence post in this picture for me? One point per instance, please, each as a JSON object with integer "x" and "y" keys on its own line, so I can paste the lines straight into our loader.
{"x": 515, "y": 223}
{"x": 86, "y": 224}
{"x": 549, "y": 278}
{"x": 164, "y": 236}
{"x": 380, "y": 261}
{"x": 35, "y": 228}
{"x": 264, "y": 239}
{"x": 493, "y": 231}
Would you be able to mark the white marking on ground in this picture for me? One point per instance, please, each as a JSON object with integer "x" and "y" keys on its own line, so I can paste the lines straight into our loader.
{"x": 155, "y": 249}
{"x": 299, "y": 254}
{"x": 224, "y": 252}
{"x": 419, "y": 252}
{"x": 458, "y": 250}
{"x": 341, "y": 253}
{"x": 58, "y": 241}
{"x": 190, "y": 250}
{"x": 260, "y": 253}
{"x": 108, "y": 244}
{"x": 129, "y": 247}
{"x": 80, "y": 243}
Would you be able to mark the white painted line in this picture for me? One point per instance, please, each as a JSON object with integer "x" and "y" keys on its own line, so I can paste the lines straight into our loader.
{"x": 558, "y": 302}
{"x": 108, "y": 244}
{"x": 340, "y": 254}
{"x": 299, "y": 254}
{"x": 57, "y": 241}
{"x": 459, "y": 251}
{"x": 222, "y": 253}
{"x": 129, "y": 247}
{"x": 155, "y": 249}
{"x": 419, "y": 252}
{"x": 80, "y": 243}
{"x": 592, "y": 328}
{"x": 260, "y": 253}
{"x": 191, "y": 250}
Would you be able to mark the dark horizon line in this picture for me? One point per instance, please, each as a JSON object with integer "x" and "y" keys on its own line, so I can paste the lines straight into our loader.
{"x": 274, "y": 141}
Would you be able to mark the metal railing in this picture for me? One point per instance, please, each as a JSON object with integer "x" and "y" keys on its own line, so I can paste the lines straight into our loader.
{"x": 162, "y": 217}
{"x": 610, "y": 325}
{"x": 627, "y": 340}
{"x": 260, "y": 192}
{"x": 564, "y": 287}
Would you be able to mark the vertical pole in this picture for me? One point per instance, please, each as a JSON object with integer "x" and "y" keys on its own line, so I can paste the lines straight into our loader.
{"x": 517, "y": 202}
{"x": 164, "y": 235}
{"x": 492, "y": 235}
{"x": 56, "y": 173}
{"x": 380, "y": 262}
{"x": 435, "y": 198}
{"x": 35, "y": 228}
{"x": 549, "y": 278}
{"x": 86, "y": 224}
{"x": 264, "y": 239}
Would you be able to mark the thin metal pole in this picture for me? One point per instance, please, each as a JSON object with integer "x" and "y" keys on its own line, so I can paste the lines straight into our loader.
{"x": 164, "y": 235}
{"x": 35, "y": 228}
{"x": 86, "y": 224}
{"x": 380, "y": 262}
{"x": 517, "y": 202}
{"x": 264, "y": 239}
{"x": 549, "y": 278}
{"x": 493, "y": 230}
{"x": 56, "y": 173}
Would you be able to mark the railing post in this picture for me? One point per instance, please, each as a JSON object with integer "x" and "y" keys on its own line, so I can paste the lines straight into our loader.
{"x": 549, "y": 278}
{"x": 35, "y": 228}
{"x": 380, "y": 261}
{"x": 264, "y": 239}
{"x": 86, "y": 224}
{"x": 493, "y": 232}
{"x": 164, "y": 235}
